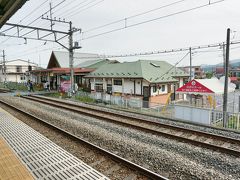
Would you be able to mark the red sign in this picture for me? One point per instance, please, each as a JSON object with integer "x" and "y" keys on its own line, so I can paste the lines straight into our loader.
{"x": 65, "y": 86}
{"x": 194, "y": 87}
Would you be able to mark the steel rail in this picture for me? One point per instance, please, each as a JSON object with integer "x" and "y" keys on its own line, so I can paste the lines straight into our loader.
{"x": 165, "y": 134}
{"x": 127, "y": 163}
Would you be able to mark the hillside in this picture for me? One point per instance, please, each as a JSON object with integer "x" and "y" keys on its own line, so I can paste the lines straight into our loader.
{"x": 210, "y": 68}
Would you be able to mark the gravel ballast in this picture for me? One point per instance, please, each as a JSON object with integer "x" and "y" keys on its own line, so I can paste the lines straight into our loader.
{"x": 168, "y": 157}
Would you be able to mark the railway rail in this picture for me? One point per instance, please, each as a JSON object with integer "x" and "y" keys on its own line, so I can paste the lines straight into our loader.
{"x": 119, "y": 160}
{"x": 4, "y": 90}
{"x": 211, "y": 141}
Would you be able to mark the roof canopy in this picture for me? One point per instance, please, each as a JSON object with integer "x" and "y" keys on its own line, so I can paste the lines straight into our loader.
{"x": 60, "y": 59}
{"x": 205, "y": 86}
{"x": 152, "y": 71}
{"x": 8, "y": 8}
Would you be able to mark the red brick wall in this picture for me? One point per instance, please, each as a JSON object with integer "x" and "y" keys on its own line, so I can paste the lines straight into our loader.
{"x": 160, "y": 99}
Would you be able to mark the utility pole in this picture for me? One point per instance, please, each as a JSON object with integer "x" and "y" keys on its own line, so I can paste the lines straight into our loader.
{"x": 190, "y": 53}
{"x": 71, "y": 56}
{"x": 225, "y": 96}
{"x": 50, "y": 11}
{"x": 224, "y": 57}
{"x": 70, "y": 48}
{"x": 4, "y": 67}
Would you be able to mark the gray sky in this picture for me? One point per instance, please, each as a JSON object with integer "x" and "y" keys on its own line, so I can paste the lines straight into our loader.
{"x": 206, "y": 25}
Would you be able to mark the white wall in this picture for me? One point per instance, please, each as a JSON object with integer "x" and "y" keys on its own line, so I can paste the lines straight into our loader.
{"x": 127, "y": 87}
{"x": 138, "y": 87}
{"x": 11, "y": 67}
{"x": 181, "y": 82}
{"x": 159, "y": 90}
{"x": 198, "y": 115}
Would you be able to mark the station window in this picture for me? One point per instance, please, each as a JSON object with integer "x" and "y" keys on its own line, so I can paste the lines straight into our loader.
{"x": 109, "y": 88}
{"x": 99, "y": 87}
{"x": 154, "y": 89}
{"x": 19, "y": 68}
{"x": 22, "y": 78}
{"x": 163, "y": 88}
{"x": 117, "y": 82}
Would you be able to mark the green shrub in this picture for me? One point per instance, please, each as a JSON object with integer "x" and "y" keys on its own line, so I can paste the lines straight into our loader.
{"x": 85, "y": 99}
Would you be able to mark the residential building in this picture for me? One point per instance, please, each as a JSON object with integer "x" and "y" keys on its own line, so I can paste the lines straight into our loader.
{"x": 197, "y": 71}
{"x": 235, "y": 76}
{"x": 152, "y": 81}
{"x": 17, "y": 70}
{"x": 234, "y": 72}
{"x": 58, "y": 67}
{"x": 219, "y": 72}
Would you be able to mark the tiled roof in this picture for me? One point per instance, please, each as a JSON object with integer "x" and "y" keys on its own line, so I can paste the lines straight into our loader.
{"x": 152, "y": 71}
{"x": 79, "y": 59}
{"x": 65, "y": 70}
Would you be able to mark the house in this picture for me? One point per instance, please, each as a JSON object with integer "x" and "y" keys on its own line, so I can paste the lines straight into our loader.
{"x": 17, "y": 70}
{"x": 197, "y": 71}
{"x": 58, "y": 68}
{"x": 235, "y": 76}
{"x": 151, "y": 81}
{"x": 219, "y": 72}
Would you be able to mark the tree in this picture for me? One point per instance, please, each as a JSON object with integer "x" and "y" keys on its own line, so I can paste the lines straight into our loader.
{"x": 209, "y": 75}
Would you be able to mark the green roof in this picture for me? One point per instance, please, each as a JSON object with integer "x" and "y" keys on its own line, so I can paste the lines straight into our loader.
{"x": 100, "y": 63}
{"x": 152, "y": 71}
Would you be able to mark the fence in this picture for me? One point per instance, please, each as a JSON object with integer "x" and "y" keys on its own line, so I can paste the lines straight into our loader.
{"x": 205, "y": 116}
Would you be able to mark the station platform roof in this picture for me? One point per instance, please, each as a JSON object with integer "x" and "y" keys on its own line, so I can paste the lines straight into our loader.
{"x": 62, "y": 70}
{"x": 9, "y": 8}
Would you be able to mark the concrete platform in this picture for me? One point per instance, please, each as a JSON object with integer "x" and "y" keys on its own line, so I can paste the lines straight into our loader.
{"x": 27, "y": 154}
{"x": 10, "y": 166}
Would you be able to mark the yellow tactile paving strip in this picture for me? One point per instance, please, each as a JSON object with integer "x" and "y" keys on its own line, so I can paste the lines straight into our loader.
{"x": 11, "y": 168}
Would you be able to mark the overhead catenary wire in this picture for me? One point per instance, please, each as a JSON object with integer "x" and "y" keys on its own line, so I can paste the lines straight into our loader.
{"x": 34, "y": 10}
{"x": 172, "y": 50}
{"x": 33, "y": 51}
{"x": 76, "y": 8}
{"x": 70, "y": 9}
{"x": 81, "y": 10}
{"x": 35, "y": 19}
{"x": 133, "y": 16}
{"x": 151, "y": 20}
{"x": 173, "y": 66}
{"x": 65, "y": 5}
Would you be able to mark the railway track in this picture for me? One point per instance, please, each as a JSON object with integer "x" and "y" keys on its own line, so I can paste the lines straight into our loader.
{"x": 118, "y": 161}
{"x": 211, "y": 141}
{"x": 4, "y": 90}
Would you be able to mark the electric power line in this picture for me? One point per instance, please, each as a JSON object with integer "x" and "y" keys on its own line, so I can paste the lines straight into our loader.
{"x": 173, "y": 66}
{"x": 65, "y": 5}
{"x": 71, "y": 9}
{"x": 173, "y": 50}
{"x": 151, "y": 20}
{"x": 86, "y": 8}
{"x": 34, "y": 10}
{"x": 76, "y": 8}
{"x": 133, "y": 16}
{"x": 35, "y": 20}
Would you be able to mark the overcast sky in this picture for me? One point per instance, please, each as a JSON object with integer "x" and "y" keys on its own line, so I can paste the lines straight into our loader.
{"x": 206, "y": 25}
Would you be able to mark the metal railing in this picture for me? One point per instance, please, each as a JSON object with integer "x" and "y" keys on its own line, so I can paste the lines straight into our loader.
{"x": 182, "y": 112}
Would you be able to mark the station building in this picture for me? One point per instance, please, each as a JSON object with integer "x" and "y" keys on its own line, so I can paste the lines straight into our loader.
{"x": 58, "y": 69}
{"x": 152, "y": 81}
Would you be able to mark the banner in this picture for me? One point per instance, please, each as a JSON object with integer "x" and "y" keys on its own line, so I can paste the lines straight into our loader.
{"x": 65, "y": 83}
